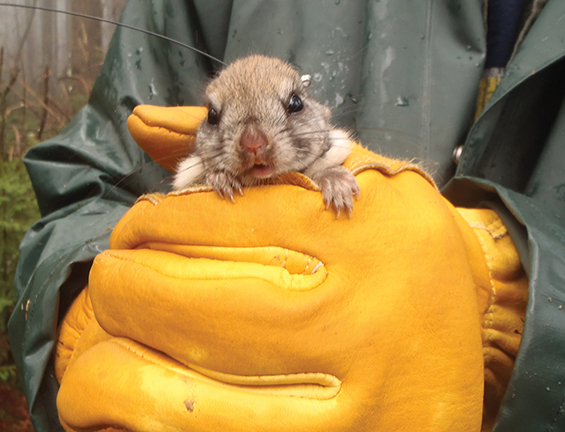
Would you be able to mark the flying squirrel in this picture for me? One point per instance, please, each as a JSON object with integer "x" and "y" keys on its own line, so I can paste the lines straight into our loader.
{"x": 262, "y": 123}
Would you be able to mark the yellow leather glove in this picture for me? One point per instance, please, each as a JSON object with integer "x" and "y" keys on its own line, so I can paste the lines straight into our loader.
{"x": 271, "y": 314}
{"x": 166, "y": 133}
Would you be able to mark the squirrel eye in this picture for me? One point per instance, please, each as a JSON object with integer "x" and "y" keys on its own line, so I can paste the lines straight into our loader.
{"x": 213, "y": 116}
{"x": 295, "y": 104}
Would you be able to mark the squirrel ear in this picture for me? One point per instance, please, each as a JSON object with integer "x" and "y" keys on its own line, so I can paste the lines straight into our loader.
{"x": 306, "y": 80}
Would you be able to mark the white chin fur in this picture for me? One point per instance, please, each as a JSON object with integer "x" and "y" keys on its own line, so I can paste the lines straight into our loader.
{"x": 341, "y": 146}
{"x": 188, "y": 170}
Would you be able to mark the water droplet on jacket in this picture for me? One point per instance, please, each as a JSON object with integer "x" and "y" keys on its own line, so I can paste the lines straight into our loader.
{"x": 402, "y": 101}
{"x": 329, "y": 52}
{"x": 317, "y": 77}
{"x": 139, "y": 50}
{"x": 468, "y": 47}
{"x": 152, "y": 91}
{"x": 338, "y": 99}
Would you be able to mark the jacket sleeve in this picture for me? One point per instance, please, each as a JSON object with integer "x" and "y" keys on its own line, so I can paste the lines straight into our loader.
{"x": 513, "y": 162}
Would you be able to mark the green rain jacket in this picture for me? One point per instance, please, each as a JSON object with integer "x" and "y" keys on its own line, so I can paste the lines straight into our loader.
{"x": 403, "y": 74}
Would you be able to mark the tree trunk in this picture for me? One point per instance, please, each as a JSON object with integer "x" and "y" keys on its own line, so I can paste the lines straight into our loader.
{"x": 86, "y": 41}
{"x": 48, "y": 34}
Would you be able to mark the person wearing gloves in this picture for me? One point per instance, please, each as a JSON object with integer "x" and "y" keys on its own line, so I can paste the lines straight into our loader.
{"x": 423, "y": 311}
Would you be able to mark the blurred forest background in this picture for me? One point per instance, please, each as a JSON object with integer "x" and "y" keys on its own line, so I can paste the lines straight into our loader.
{"x": 48, "y": 64}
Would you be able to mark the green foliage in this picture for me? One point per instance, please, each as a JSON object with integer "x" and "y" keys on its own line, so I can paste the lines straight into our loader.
{"x": 18, "y": 210}
{"x": 8, "y": 373}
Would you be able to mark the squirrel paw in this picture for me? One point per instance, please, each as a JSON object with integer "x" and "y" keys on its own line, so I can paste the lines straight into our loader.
{"x": 224, "y": 183}
{"x": 338, "y": 188}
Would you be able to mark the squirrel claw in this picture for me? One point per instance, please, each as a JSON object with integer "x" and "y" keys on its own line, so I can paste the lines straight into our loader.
{"x": 224, "y": 184}
{"x": 339, "y": 187}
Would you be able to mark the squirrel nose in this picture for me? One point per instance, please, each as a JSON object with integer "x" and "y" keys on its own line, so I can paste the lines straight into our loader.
{"x": 253, "y": 139}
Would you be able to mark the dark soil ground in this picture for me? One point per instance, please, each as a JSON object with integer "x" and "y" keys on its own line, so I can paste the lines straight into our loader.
{"x": 14, "y": 415}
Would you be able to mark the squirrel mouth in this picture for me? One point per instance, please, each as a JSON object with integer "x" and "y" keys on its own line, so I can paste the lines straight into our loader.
{"x": 261, "y": 170}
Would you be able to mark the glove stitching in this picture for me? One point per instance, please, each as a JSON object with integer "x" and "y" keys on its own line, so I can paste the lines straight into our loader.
{"x": 496, "y": 230}
{"x": 388, "y": 170}
{"x": 132, "y": 346}
{"x": 488, "y": 316}
{"x": 288, "y": 288}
